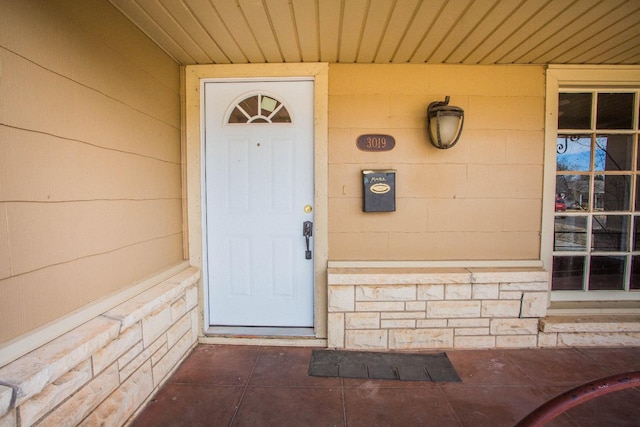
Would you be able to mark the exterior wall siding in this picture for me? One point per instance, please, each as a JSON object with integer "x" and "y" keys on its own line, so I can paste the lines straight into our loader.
{"x": 90, "y": 168}
{"x": 480, "y": 200}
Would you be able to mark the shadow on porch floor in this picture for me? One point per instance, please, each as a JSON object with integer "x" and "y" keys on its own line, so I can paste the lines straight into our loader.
{"x": 223, "y": 385}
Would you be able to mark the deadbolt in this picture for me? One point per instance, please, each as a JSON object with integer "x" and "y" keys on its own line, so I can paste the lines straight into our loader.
{"x": 308, "y": 209}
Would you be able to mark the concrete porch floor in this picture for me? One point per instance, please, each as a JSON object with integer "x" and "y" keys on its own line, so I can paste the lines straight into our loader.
{"x": 224, "y": 385}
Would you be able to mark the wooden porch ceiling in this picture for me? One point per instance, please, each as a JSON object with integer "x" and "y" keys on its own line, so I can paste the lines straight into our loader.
{"x": 391, "y": 31}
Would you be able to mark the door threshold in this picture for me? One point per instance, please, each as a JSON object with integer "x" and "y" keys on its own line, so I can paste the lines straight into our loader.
{"x": 242, "y": 335}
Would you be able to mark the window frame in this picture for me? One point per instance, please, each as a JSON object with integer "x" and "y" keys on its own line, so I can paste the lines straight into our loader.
{"x": 573, "y": 78}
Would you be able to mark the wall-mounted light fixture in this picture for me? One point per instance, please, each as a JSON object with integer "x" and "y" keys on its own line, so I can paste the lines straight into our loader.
{"x": 444, "y": 123}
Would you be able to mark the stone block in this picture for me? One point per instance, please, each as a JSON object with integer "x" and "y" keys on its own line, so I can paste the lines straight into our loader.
{"x": 380, "y": 306}
{"x": 403, "y": 315}
{"x": 6, "y": 395}
{"x": 82, "y": 403}
{"x": 122, "y": 403}
{"x": 457, "y": 292}
{"x": 462, "y": 332}
{"x": 534, "y": 304}
{"x": 508, "y": 275}
{"x": 430, "y": 292}
{"x": 32, "y": 372}
{"x": 468, "y": 323}
{"x": 404, "y": 339}
{"x": 178, "y": 309}
{"x": 431, "y": 323}
{"x": 191, "y": 297}
{"x": 474, "y": 342}
{"x": 485, "y": 291}
{"x": 116, "y": 348}
{"x": 155, "y": 324}
{"x": 178, "y": 329}
{"x": 10, "y": 419}
{"x": 161, "y": 351}
{"x": 397, "y": 323}
{"x": 599, "y": 339}
{"x": 416, "y": 306}
{"x": 516, "y": 341}
{"x": 185, "y": 278}
{"x": 525, "y": 287}
{"x": 53, "y": 394}
{"x": 137, "y": 356}
{"x": 514, "y": 326}
{"x": 362, "y": 320}
{"x": 502, "y": 308}
{"x": 367, "y": 339}
{"x": 335, "y": 330}
{"x": 341, "y": 298}
{"x": 547, "y": 340}
{"x": 453, "y": 309}
{"x": 595, "y": 323}
{"x": 386, "y": 293}
{"x": 195, "y": 324}
{"x": 169, "y": 362}
{"x": 511, "y": 295}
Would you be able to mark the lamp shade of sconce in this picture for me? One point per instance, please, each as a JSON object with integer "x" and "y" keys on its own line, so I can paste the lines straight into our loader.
{"x": 444, "y": 123}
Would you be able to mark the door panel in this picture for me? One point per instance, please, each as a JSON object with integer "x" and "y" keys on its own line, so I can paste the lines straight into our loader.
{"x": 258, "y": 179}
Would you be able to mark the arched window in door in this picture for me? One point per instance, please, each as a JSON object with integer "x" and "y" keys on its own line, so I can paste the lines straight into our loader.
{"x": 259, "y": 108}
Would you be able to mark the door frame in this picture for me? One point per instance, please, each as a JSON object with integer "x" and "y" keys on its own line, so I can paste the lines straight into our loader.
{"x": 194, "y": 77}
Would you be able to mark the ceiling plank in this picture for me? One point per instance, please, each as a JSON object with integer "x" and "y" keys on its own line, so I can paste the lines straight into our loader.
{"x": 401, "y": 15}
{"x": 306, "y": 21}
{"x": 533, "y": 45}
{"x": 460, "y": 30}
{"x": 192, "y": 26}
{"x": 375, "y": 27}
{"x": 575, "y": 45}
{"x": 419, "y": 27}
{"x": 147, "y": 25}
{"x": 353, "y": 18}
{"x": 330, "y": 13}
{"x": 258, "y": 21}
{"x": 237, "y": 25}
{"x": 217, "y": 30}
{"x": 282, "y": 19}
{"x": 605, "y": 49}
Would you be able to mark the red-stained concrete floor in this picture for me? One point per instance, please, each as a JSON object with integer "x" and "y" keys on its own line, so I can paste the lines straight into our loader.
{"x": 224, "y": 385}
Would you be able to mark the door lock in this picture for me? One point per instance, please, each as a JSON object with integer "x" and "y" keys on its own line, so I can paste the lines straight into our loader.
{"x": 307, "y": 232}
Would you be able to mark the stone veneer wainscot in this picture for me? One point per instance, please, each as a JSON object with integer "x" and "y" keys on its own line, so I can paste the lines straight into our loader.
{"x": 104, "y": 371}
{"x": 430, "y": 308}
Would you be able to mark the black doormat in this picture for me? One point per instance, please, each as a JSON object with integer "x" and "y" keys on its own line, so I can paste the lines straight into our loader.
{"x": 382, "y": 366}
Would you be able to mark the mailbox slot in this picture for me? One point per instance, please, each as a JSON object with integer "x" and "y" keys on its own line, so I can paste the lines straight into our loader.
{"x": 379, "y": 190}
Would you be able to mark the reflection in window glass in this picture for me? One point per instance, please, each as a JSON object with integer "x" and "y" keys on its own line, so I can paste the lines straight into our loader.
{"x": 570, "y": 233}
{"x": 615, "y": 111}
{"x": 606, "y": 273}
{"x": 612, "y": 192}
{"x": 574, "y": 191}
{"x": 574, "y": 110}
{"x": 567, "y": 273}
{"x": 636, "y": 236}
{"x": 614, "y": 152}
{"x": 610, "y": 233}
{"x": 573, "y": 153}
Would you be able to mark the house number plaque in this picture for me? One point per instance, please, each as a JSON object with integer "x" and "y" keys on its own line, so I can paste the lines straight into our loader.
{"x": 376, "y": 142}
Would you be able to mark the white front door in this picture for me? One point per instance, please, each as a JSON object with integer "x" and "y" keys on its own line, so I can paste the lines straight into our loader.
{"x": 259, "y": 193}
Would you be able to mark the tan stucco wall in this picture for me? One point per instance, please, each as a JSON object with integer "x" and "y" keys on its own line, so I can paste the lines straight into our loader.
{"x": 90, "y": 174}
{"x": 480, "y": 200}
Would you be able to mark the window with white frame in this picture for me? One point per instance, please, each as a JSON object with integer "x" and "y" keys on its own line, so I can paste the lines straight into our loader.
{"x": 596, "y": 220}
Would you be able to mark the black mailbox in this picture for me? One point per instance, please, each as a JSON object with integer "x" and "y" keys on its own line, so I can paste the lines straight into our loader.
{"x": 379, "y": 190}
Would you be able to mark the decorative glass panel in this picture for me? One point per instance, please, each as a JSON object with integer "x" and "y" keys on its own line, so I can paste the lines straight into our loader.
{"x": 568, "y": 272}
{"x": 615, "y": 111}
{"x": 570, "y": 233}
{"x": 574, "y": 110}
{"x": 259, "y": 109}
